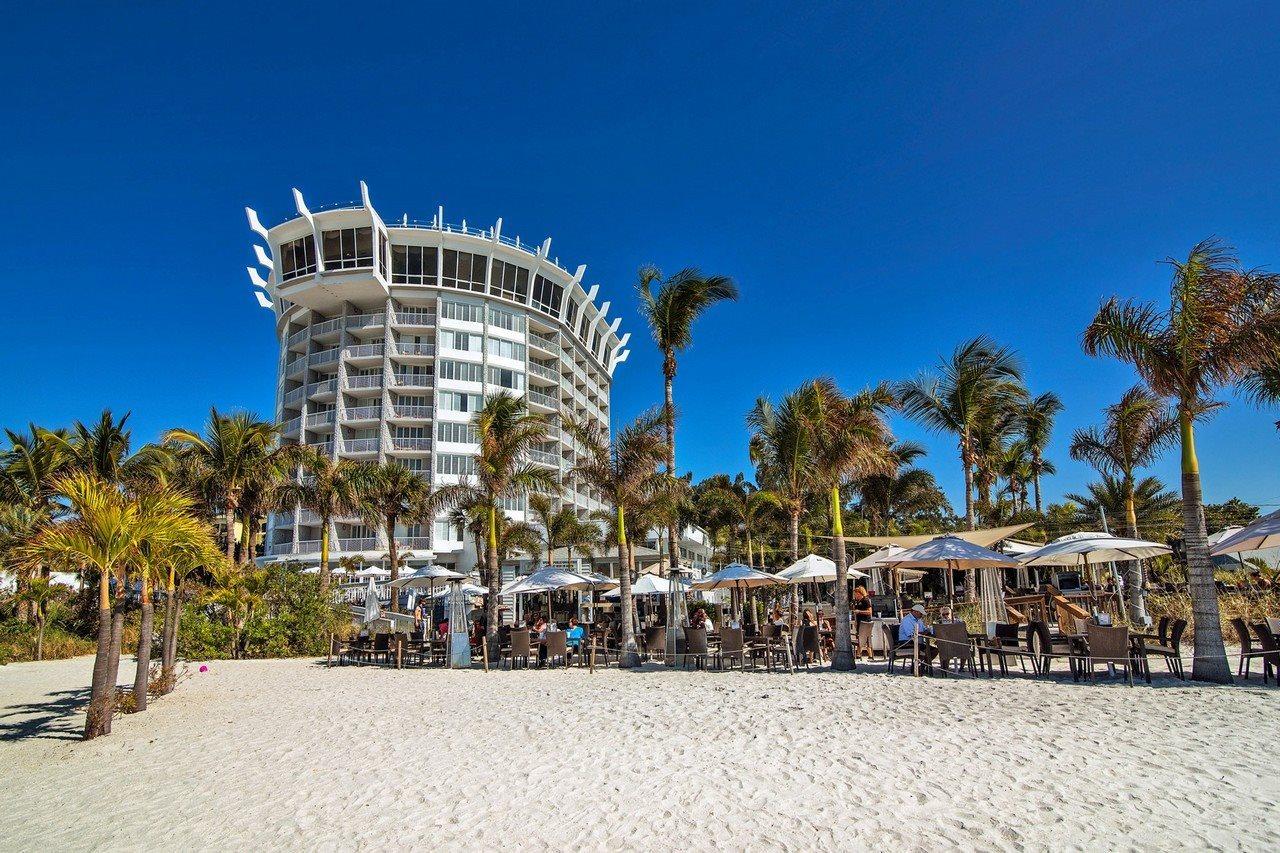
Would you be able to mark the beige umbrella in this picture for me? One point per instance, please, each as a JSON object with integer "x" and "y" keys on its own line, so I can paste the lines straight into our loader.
{"x": 954, "y": 553}
{"x": 1262, "y": 534}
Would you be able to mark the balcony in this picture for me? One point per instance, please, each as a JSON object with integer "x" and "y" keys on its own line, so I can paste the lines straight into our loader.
{"x": 280, "y": 548}
{"x": 544, "y": 400}
{"x": 366, "y": 321}
{"x": 328, "y": 327}
{"x": 297, "y": 338}
{"x": 412, "y": 412}
{"x": 324, "y": 388}
{"x": 413, "y": 349}
{"x": 413, "y": 380}
{"x": 362, "y": 413}
{"x": 418, "y": 317}
{"x": 363, "y": 351}
{"x": 547, "y": 373}
{"x": 324, "y": 448}
{"x": 412, "y": 443}
{"x": 360, "y": 445}
{"x": 414, "y": 541}
{"x": 295, "y": 366}
{"x": 320, "y": 419}
{"x": 326, "y": 356}
{"x": 366, "y": 544}
{"x": 544, "y": 458}
{"x": 307, "y": 546}
{"x": 544, "y": 343}
{"x": 369, "y": 381}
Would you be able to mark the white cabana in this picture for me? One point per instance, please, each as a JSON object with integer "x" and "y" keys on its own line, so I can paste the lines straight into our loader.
{"x": 1262, "y": 534}
{"x": 953, "y": 553}
{"x": 812, "y": 568}
{"x": 372, "y": 609}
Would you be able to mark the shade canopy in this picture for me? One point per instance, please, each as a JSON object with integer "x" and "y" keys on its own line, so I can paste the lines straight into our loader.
{"x": 736, "y": 575}
{"x": 950, "y": 552}
{"x": 466, "y": 588}
{"x": 1263, "y": 533}
{"x": 427, "y": 577}
{"x": 811, "y": 568}
{"x": 985, "y": 538}
{"x": 1080, "y": 549}
{"x": 879, "y": 558}
{"x": 372, "y": 609}
{"x": 550, "y": 578}
{"x": 652, "y": 585}
{"x": 373, "y": 572}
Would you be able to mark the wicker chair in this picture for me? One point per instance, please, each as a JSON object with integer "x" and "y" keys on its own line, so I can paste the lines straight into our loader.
{"x": 655, "y": 642}
{"x": 695, "y": 647}
{"x": 1171, "y": 652}
{"x": 1110, "y": 647}
{"x": 1042, "y": 649}
{"x": 732, "y": 647}
{"x": 1247, "y": 651}
{"x": 1270, "y": 652}
{"x": 954, "y": 645}
{"x": 520, "y": 649}
{"x": 557, "y": 646}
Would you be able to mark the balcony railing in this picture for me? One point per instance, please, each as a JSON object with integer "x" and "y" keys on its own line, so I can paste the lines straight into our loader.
{"x": 414, "y": 349}
{"x": 360, "y": 445}
{"x": 291, "y": 426}
{"x": 325, "y": 386}
{"x": 545, "y": 372}
{"x": 424, "y": 412}
{"x": 294, "y": 365}
{"x": 317, "y": 419}
{"x": 366, "y": 544}
{"x": 325, "y": 448}
{"x": 543, "y": 399}
{"x": 416, "y": 442}
{"x": 323, "y": 357}
{"x": 278, "y": 548}
{"x": 544, "y": 342}
{"x": 545, "y": 458}
{"x": 371, "y": 381}
{"x": 296, "y": 338}
{"x": 364, "y": 321}
{"x": 306, "y": 546}
{"x": 414, "y": 541}
{"x": 414, "y": 380}
{"x": 363, "y": 351}
{"x": 362, "y": 413}
{"x": 326, "y": 327}
{"x": 413, "y": 317}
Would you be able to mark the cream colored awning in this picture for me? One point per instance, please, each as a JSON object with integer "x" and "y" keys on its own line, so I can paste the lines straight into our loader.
{"x": 985, "y": 538}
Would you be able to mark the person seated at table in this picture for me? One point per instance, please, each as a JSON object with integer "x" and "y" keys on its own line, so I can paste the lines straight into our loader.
{"x": 698, "y": 619}
{"x": 419, "y": 624}
{"x": 776, "y": 617}
{"x": 913, "y": 623}
{"x": 540, "y": 626}
{"x": 574, "y": 636}
{"x": 946, "y": 614}
{"x": 806, "y": 618}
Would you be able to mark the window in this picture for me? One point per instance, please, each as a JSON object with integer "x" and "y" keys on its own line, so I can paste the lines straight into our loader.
{"x": 348, "y": 248}
{"x": 382, "y": 253}
{"x": 508, "y": 320}
{"x": 413, "y": 265}
{"x": 446, "y": 531}
{"x": 571, "y": 313}
{"x": 410, "y": 432}
{"x": 510, "y": 281}
{"x": 456, "y": 401}
{"x": 416, "y": 464}
{"x": 465, "y": 271}
{"x": 412, "y": 400}
{"x": 461, "y": 341}
{"x": 465, "y": 311}
{"x": 455, "y": 463}
{"x": 463, "y": 371}
{"x": 595, "y": 338}
{"x": 506, "y": 349}
{"x": 547, "y": 295}
{"x": 514, "y": 504}
{"x": 582, "y": 327}
{"x": 298, "y": 257}
{"x": 506, "y": 378}
{"x": 457, "y": 433}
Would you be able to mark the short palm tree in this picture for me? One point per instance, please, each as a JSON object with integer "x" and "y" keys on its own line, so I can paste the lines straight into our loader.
{"x": 1221, "y": 327}
{"x": 625, "y": 471}
{"x": 670, "y": 313}
{"x": 747, "y": 506}
{"x": 391, "y": 492}
{"x": 780, "y": 447}
{"x": 850, "y": 440}
{"x": 508, "y": 432}
{"x": 37, "y": 594}
{"x": 329, "y": 489}
{"x": 1155, "y": 508}
{"x": 555, "y": 526}
{"x": 229, "y": 453}
{"x": 1035, "y": 416}
{"x": 908, "y": 494}
{"x": 979, "y": 379}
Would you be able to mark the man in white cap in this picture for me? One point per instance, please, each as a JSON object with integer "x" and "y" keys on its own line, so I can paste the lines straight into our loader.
{"x": 912, "y": 624}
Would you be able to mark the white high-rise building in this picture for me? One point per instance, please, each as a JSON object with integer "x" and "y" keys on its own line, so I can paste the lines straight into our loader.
{"x": 391, "y": 334}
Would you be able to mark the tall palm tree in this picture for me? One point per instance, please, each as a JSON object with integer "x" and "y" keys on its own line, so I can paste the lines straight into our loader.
{"x": 329, "y": 489}
{"x": 625, "y": 472}
{"x": 670, "y": 313}
{"x": 780, "y": 447}
{"x": 508, "y": 432}
{"x": 849, "y": 439}
{"x": 908, "y": 494}
{"x": 232, "y": 448}
{"x": 1222, "y": 326}
{"x": 1137, "y": 430}
{"x": 389, "y": 493}
{"x": 555, "y": 525}
{"x": 747, "y": 506}
{"x": 1017, "y": 467}
{"x": 1035, "y": 421}
{"x": 979, "y": 379}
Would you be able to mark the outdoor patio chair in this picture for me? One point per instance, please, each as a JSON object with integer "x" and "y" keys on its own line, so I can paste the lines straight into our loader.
{"x": 1247, "y": 651}
{"x": 1042, "y": 649}
{"x": 905, "y": 650}
{"x": 1110, "y": 647}
{"x": 655, "y": 642}
{"x": 381, "y": 648}
{"x": 1270, "y": 652}
{"x": 557, "y": 646}
{"x": 695, "y": 647}
{"x": 1162, "y": 630}
{"x": 520, "y": 649}
{"x": 954, "y": 646}
{"x": 732, "y": 647}
{"x": 1170, "y": 651}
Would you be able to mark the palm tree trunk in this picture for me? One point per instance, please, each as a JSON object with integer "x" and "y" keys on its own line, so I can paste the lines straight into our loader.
{"x": 669, "y": 412}
{"x": 495, "y": 582}
{"x": 146, "y": 624}
{"x": 113, "y": 659}
{"x": 1135, "y": 579}
{"x": 1035, "y": 481}
{"x": 1210, "y": 662}
{"x": 246, "y": 539}
{"x": 392, "y": 553}
{"x": 629, "y": 654}
{"x": 40, "y": 620}
{"x": 169, "y": 639}
{"x": 230, "y": 512}
{"x": 324, "y": 556}
{"x": 101, "y": 699}
{"x": 842, "y": 659}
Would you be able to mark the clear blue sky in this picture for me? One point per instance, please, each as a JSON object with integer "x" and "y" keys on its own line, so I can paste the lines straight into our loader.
{"x": 882, "y": 182}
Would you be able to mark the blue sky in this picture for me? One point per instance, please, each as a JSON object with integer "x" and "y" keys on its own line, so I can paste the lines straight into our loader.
{"x": 882, "y": 181}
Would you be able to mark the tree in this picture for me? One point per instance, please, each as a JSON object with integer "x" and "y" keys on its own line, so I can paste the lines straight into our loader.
{"x": 1222, "y": 326}
{"x": 1035, "y": 421}
{"x": 229, "y": 453}
{"x": 979, "y": 380}
{"x": 556, "y": 525}
{"x": 329, "y": 489}
{"x": 670, "y": 313}
{"x": 747, "y": 506}
{"x": 508, "y": 432}
{"x": 27, "y": 471}
{"x": 1234, "y": 512}
{"x": 388, "y": 493}
{"x": 1135, "y": 432}
{"x": 37, "y": 594}
{"x": 625, "y": 472}
{"x": 780, "y": 447}
{"x": 1154, "y": 508}
{"x": 849, "y": 440}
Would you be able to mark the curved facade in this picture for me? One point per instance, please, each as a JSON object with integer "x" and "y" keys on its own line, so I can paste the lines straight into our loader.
{"x": 391, "y": 335}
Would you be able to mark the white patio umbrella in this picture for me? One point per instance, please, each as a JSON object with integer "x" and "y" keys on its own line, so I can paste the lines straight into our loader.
{"x": 372, "y": 609}
{"x": 953, "y": 553}
{"x": 373, "y": 572}
{"x": 814, "y": 568}
{"x": 739, "y": 577}
{"x": 1087, "y": 549}
{"x": 650, "y": 585}
{"x": 1263, "y": 533}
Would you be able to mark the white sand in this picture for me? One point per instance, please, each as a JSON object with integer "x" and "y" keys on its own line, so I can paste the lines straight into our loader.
{"x": 286, "y": 754}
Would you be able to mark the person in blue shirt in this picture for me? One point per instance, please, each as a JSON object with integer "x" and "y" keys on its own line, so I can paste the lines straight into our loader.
{"x": 912, "y": 624}
{"x": 575, "y": 636}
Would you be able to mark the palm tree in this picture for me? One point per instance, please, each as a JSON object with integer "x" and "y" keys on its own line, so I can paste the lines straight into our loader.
{"x": 231, "y": 450}
{"x": 507, "y": 433}
{"x": 36, "y": 595}
{"x": 850, "y": 440}
{"x": 993, "y": 435}
{"x": 1017, "y": 466}
{"x": 389, "y": 493}
{"x": 747, "y": 506}
{"x": 1222, "y": 326}
{"x": 1035, "y": 421}
{"x": 556, "y": 524}
{"x": 625, "y": 472}
{"x": 780, "y": 447}
{"x": 671, "y": 312}
{"x": 1137, "y": 430}
{"x": 907, "y": 497}
{"x": 329, "y": 489}
{"x": 1153, "y": 507}
{"x": 28, "y": 469}
{"x": 979, "y": 379}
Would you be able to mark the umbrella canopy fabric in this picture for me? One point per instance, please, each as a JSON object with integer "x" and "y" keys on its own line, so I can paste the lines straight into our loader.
{"x": 372, "y": 609}
{"x": 879, "y": 558}
{"x": 427, "y": 578}
{"x": 814, "y": 568}
{"x": 950, "y": 552}
{"x": 1082, "y": 549}
{"x": 548, "y": 579}
{"x": 1263, "y": 533}
{"x": 736, "y": 575}
{"x": 648, "y": 584}
{"x": 373, "y": 572}
{"x": 467, "y": 589}
{"x": 986, "y": 538}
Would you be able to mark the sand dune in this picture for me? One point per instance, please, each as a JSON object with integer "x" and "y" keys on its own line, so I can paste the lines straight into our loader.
{"x": 287, "y": 754}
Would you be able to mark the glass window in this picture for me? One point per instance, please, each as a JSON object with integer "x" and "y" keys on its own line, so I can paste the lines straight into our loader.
{"x": 510, "y": 281}
{"x": 508, "y": 320}
{"x": 461, "y": 341}
{"x": 463, "y": 371}
{"x": 297, "y": 257}
{"x": 457, "y": 433}
{"x": 455, "y": 463}
{"x": 582, "y": 327}
{"x": 464, "y": 271}
{"x": 506, "y": 378}
{"x": 446, "y": 531}
{"x": 506, "y": 349}
{"x": 571, "y": 313}
{"x": 413, "y": 264}
{"x": 547, "y": 295}
{"x": 465, "y": 311}
{"x": 348, "y": 248}
{"x": 456, "y": 401}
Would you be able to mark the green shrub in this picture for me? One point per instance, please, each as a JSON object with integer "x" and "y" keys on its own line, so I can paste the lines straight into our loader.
{"x": 18, "y": 643}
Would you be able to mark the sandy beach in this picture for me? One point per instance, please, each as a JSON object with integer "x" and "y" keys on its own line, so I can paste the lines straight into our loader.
{"x": 288, "y": 754}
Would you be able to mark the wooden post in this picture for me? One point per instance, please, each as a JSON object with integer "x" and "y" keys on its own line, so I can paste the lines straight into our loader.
{"x": 484, "y": 651}
{"x": 399, "y": 649}
{"x": 791, "y": 662}
{"x": 915, "y": 653}
{"x": 591, "y": 660}
{"x": 329, "y": 661}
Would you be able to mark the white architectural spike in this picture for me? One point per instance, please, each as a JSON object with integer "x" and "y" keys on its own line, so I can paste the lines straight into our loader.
{"x": 440, "y": 216}
{"x": 364, "y": 195}
{"x": 262, "y": 299}
{"x": 301, "y": 204}
{"x": 579, "y": 273}
{"x": 604, "y": 309}
{"x": 622, "y": 341}
{"x": 591, "y": 294}
{"x": 257, "y": 279}
{"x": 497, "y": 230}
{"x": 613, "y": 327}
{"x": 546, "y": 248}
{"x": 263, "y": 258}
{"x": 255, "y": 224}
